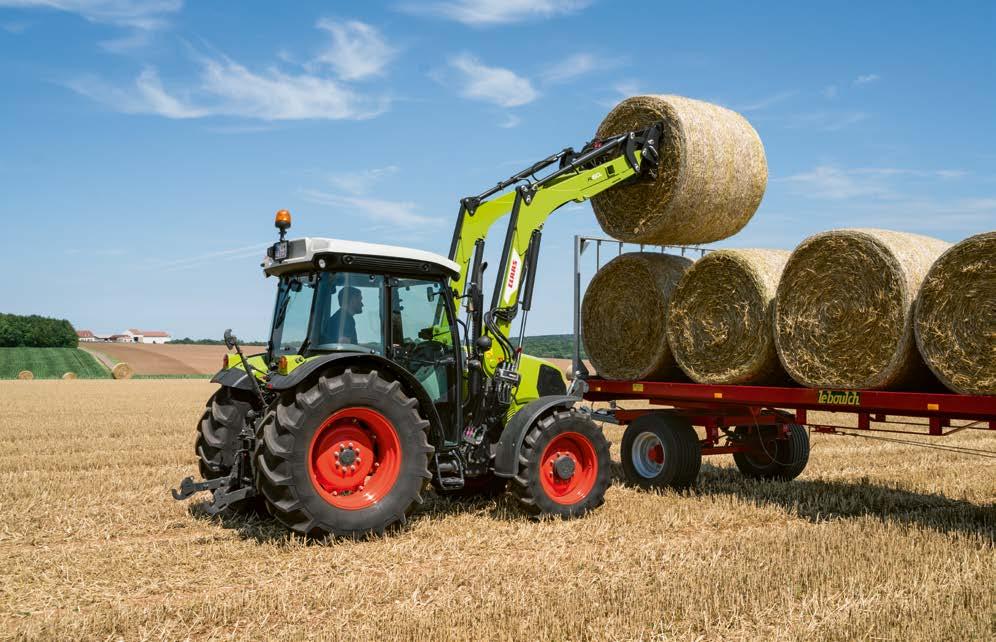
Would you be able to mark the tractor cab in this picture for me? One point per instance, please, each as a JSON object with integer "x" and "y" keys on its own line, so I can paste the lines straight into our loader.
{"x": 367, "y": 300}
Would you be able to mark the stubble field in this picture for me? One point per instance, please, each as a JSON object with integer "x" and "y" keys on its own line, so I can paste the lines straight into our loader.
{"x": 874, "y": 541}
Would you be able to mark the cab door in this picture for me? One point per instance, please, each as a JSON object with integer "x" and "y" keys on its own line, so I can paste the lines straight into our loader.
{"x": 422, "y": 340}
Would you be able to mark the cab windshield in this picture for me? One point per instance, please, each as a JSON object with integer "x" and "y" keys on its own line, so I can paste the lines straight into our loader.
{"x": 328, "y": 311}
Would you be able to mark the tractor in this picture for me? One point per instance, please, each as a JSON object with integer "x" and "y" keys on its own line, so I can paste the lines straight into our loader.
{"x": 386, "y": 373}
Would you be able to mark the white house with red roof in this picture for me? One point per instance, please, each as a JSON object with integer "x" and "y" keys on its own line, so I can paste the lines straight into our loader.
{"x": 86, "y": 336}
{"x": 147, "y": 336}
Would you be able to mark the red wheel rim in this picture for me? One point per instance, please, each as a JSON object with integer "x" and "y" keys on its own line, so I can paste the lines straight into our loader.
{"x": 354, "y": 458}
{"x": 578, "y": 450}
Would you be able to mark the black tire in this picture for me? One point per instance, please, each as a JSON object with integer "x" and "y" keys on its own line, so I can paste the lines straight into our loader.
{"x": 284, "y": 469}
{"x": 772, "y": 458}
{"x": 680, "y": 452}
{"x": 218, "y": 431}
{"x": 486, "y": 486}
{"x": 534, "y": 494}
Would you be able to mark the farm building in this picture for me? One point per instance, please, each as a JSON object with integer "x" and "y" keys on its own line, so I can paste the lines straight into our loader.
{"x": 147, "y": 336}
{"x": 86, "y": 336}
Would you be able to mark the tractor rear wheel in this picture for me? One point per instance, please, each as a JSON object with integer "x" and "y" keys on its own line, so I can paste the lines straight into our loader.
{"x": 218, "y": 438}
{"x": 770, "y": 457}
{"x": 564, "y": 466}
{"x": 661, "y": 451}
{"x": 218, "y": 431}
{"x": 344, "y": 454}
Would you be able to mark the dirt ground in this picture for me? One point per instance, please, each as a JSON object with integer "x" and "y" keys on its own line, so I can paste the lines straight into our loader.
{"x": 873, "y": 541}
{"x": 166, "y": 359}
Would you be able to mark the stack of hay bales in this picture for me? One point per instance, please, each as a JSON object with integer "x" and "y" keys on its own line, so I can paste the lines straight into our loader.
{"x": 624, "y": 316}
{"x": 955, "y": 316}
{"x": 25, "y": 375}
{"x": 720, "y": 324}
{"x": 69, "y": 376}
{"x": 844, "y": 309}
{"x": 711, "y": 179}
{"x": 712, "y": 174}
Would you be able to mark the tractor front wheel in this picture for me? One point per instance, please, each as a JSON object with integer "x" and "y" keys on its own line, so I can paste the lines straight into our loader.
{"x": 564, "y": 466}
{"x": 346, "y": 454}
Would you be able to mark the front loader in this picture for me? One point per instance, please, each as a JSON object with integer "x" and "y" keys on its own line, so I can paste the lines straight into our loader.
{"x": 375, "y": 386}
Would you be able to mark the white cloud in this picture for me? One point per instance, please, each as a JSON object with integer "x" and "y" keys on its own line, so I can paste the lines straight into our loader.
{"x": 398, "y": 213}
{"x": 576, "y": 65}
{"x": 492, "y": 84}
{"x": 357, "y": 51}
{"x": 768, "y": 101}
{"x": 198, "y": 260}
{"x": 227, "y": 88}
{"x": 139, "y": 14}
{"x": 481, "y": 13}
{"x": 866, "y": 79}
{"x": 511, "y": 120}
{"x": 836, "y": 183}
{"x": 830, "y": 91}
{"x": 361, "y": 182}
{"x": 15, "y": 27}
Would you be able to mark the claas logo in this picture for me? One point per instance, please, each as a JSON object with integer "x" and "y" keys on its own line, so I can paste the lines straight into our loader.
{"x": 839, "y": 397}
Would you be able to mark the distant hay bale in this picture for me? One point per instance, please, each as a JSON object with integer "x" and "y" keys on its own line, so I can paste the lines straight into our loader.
{"x": 720, "y": 325}
{"x": 711, "y": 180}
{"x": 955, "y": 316}
{"x": 69, "y": 375}
{"x": 624, "y": 316}
{"x": 843, "y": 314}
{"x": 122, "y": 371}
{"x": 25, "y": 374}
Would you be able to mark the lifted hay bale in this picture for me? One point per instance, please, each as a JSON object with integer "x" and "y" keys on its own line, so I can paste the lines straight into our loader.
{"x": 624, "y": 316}
{"x": 720, "y": 325}
{"x": 955, "y": 316}
{"x": 69, "y": 375}
{"x": 711, "y": 180}
{"x": 843, "y": 314}
{"x": 122, "y": 371}
{"x": 25, "y": 374}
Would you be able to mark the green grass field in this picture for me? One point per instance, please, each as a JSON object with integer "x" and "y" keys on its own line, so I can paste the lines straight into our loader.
{"x": 50, "y": 363}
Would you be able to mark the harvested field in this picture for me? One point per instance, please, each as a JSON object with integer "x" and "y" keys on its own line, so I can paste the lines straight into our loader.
{"x": 874, "y": 541}
{"x": 149, "y": 359}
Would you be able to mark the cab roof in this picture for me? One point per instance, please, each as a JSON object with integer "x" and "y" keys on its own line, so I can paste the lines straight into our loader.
{"x": 305, "y": 252}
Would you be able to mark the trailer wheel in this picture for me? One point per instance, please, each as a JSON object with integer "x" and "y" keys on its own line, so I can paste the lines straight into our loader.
{"x": 345, "y": 455}
{"x": 564, "y": 466}
{"x": 772, "y": 458}
{"x": 661, "y": 451}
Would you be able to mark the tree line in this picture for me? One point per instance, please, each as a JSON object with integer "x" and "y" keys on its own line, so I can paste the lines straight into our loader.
{"x": 33, "y": 331}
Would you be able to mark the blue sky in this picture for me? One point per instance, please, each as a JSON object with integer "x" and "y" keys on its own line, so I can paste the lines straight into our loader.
{"x": 147, "y": 143}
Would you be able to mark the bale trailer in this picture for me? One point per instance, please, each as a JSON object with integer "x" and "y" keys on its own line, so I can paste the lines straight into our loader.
{"x": 765, "y": 428}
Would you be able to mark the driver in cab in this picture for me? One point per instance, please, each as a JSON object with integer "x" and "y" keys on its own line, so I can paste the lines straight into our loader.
{"x": 341, "y": 327}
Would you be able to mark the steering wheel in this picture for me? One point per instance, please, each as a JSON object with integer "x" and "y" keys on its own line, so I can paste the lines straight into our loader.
{"x": 427, "y": 353}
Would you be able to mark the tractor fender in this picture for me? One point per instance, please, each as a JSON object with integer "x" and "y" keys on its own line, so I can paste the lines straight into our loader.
{"x": 233, "y": 378}
{"x": 508, "y": 446}
{"x": 313, "y": 367}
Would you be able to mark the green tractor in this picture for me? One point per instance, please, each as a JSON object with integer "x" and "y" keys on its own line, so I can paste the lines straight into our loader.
{"x": 374, "y": 385}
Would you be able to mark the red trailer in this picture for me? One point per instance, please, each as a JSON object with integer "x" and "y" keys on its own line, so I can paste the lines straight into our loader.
{"x": 763, "y": 427}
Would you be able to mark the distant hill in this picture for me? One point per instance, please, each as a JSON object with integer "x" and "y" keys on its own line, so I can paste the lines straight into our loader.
{"x": 559, "y": 346}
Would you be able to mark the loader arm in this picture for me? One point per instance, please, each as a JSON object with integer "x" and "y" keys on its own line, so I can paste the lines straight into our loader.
{"x": 598, "y": 167}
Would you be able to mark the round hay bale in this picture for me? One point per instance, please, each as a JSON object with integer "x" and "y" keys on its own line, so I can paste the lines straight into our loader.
{"x": 720, "y": 325}
{"x": 711, "y": 180}
{"x": 955, "y": 316}
{"x": 25, "y": 374}
{"x": 624, "y": 316}
{"x": 843, "y": 313}
{"x": 69, "y": 375}
{"x": 122, "y": 371}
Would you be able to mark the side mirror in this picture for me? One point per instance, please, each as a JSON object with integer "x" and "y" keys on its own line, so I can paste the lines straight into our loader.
{"x": 230, "y": 339}
{"x": 483, "y": 343}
